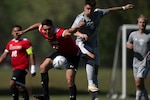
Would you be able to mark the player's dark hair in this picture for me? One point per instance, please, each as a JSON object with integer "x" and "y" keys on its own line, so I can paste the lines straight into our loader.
{"x": 20, "y": 28}
{"x": 47, "y": 22}
{"x": 92, "y": 3}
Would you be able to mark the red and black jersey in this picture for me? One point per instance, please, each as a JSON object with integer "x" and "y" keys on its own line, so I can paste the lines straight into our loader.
{"x": 65, "y": 45}
{"x": 17, "y": 51}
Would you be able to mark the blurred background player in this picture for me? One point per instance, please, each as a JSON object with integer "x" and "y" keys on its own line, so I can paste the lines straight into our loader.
{"x": 64, "y": 45}
{"x": 19, "y": 49}
{"x": 139, "y": 41}
{"x": 91, "y": 16}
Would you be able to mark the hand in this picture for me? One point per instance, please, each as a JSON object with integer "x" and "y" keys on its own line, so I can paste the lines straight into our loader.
{"x": 81, "y": 24}
{"x": 148, "y": 58}
{"x": 84, "y": 36}
{"x": 129, "y": 6}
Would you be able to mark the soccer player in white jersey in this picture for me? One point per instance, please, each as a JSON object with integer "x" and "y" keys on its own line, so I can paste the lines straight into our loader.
{"x": 139, "y": 41}
{"x": 91, "y": 16}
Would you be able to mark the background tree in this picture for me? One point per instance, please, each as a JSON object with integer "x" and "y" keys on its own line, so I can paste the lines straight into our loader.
{"x": 63, "y": 12}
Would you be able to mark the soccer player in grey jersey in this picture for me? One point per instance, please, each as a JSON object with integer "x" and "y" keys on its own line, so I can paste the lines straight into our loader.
{"x": 139, "y": 41}
{"x": 91, "y": 16}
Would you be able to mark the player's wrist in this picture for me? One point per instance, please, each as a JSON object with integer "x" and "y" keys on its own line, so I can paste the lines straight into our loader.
{"x": 123, "y": 7}
{"x": 33, "y": 69}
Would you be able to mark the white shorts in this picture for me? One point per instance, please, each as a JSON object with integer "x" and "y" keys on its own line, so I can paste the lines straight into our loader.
{"x": 141, "y": 71}
{"x": 85, "y": 48}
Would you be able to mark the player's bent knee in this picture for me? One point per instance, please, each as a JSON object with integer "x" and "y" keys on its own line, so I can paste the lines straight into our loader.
{"x": 20, "y": 88}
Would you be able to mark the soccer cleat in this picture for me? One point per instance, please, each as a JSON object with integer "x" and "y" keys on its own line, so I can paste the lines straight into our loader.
{"x": 96, "y": 99}
{"x": 39, "y": 96}
{"x": 93, "y": 88}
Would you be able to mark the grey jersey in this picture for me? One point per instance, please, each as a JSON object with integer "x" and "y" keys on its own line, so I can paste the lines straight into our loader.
{"x": 141, "y": 47}
{"x": 91, "y": 26}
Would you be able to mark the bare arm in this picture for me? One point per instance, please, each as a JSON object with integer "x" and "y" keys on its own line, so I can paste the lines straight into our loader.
{"x": 3, "y": 56}
{"x": 32, "y": 59}
{"x": 32, "y": 27}
{"x": 71, "y": 31}
{"x": 128, "y": 6}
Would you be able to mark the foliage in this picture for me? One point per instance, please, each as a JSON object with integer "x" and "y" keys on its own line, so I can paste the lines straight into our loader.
{"x": 63, "y": 12}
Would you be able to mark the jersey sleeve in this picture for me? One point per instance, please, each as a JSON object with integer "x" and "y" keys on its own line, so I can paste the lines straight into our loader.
{"x": 102, "y": 12}
{"x": 130, "y": 38}
{"x": 77, "y": 20}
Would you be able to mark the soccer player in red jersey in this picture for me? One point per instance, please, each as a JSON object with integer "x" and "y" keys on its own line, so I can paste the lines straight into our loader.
{"x": 64, "y": 45}
{"x": 19, "y": 49}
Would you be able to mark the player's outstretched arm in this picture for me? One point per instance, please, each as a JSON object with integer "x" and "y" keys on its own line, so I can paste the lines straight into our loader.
{"x": 32, "y": 27}
{"x": 128, "y": 6}
{"x": 71, "y": 31}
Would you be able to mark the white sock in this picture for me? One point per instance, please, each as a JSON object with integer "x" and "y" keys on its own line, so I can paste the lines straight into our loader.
{"x": 138, "y": 95}
{"x": 89, "y": 70}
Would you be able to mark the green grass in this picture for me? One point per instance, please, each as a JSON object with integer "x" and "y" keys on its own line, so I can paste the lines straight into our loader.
{"x": 58, "y": 86}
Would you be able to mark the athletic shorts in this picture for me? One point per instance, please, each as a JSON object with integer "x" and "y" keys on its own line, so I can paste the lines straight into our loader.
{"x": 85, "y": 48}
{"x": 19, "y": 76}
{"x": 141, "y": 71}
{"x": 73, "y": 60}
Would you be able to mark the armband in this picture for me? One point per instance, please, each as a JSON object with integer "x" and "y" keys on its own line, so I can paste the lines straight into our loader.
{"x": 29, "y": 51}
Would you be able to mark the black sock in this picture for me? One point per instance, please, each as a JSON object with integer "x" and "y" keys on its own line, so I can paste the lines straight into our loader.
{"x": 15, "y": 93}
{"x": 44, "y": 82}
{"x": 25, "y": 94}
{"x": 73, "y": 91}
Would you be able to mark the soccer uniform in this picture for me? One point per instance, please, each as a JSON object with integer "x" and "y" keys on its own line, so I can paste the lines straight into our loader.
{"x": 91, "y": 30}
{"x": 18, "y": 50}
{"x": 141, "y": 48}
{"x": 64, "y": 46}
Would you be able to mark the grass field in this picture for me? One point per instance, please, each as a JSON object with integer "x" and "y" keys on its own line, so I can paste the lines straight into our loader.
{"x": 58, "y": 87}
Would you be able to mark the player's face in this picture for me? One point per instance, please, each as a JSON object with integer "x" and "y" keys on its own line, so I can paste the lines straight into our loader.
{"x": 14, "y": 32}
{"x": 88, "y": 10}
{"x": 48, "y": 30}
{"x": 142, "y": 23}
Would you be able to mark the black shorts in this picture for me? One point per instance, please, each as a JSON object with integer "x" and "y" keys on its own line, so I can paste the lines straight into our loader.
{"x": 73, "y": 60}
{"x": 19, "y": 76}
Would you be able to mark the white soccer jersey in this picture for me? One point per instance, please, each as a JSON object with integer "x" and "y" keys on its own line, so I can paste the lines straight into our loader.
{"x": 91, "y": 26}
{"x": 141, "y": 48}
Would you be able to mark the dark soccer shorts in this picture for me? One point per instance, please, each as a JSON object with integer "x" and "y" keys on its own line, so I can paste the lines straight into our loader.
{"x": 73, "y": 60}
{"x": 19, "y": 76}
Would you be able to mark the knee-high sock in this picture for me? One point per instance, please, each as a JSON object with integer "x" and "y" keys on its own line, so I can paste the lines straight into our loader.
{"x": 145, "y": 94}
{"x": 73, "y": 91}
{"x": 138, "y": 95}
{"x": 90, "y": 70}
{"x": 25, "y": 94}
{"x": 44, "y": 82}
{"x": 15, "y": 93}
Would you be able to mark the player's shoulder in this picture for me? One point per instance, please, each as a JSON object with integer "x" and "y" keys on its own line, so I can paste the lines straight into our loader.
{"x": 81, "y": 15}
{"x": 134, "y": 32}
{"x": 24, "y": 39}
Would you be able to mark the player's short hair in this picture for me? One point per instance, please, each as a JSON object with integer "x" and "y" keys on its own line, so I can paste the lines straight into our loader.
{"x": 20, "y": 28}
{"x": 92, "y": 3}
{"x": 47, "y": 22}
{"x": 142, "y": 16}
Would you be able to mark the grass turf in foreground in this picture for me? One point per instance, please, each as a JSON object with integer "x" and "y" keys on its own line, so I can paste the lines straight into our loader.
{"x": 65, "y": 97}
{"x": 58, "y": 86}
